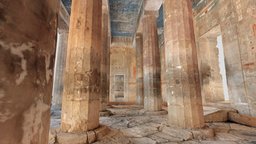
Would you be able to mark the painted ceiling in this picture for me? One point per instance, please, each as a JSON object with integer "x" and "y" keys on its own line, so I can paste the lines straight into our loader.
{"x": 125, "y": 15}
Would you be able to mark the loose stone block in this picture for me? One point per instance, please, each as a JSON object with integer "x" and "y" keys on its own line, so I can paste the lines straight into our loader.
{"x": 101, "y": 132}
{"x": 71, "y": 138}
{"x": 183, "y": 135}
{"x": 242, "y": 119}
{"x": 91, "y": 135}
{"x": 203, "y": 134}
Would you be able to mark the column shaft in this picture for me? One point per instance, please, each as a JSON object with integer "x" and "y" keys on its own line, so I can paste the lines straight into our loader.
{"x": 105, "y": 55}
{"x": 27, "y": 51}
{"x": 80, "y": 105}
{"x": 139, "y": 71}
{"x": 183, "y": 86}
{"x": 151, "y": 65}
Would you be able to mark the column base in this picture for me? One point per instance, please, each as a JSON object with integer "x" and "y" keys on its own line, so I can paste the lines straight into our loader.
{"x": 156, "y": 113}
{"x": 79, "y": 138}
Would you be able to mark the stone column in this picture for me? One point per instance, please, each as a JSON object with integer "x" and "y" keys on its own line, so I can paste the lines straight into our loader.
{"x": 183, "y": 87}
{"x": 60, "y": 62}
{"x": 151, "y": 64}
{"x": 27, "y": 46}
{"x": 139, "y": 67}
{"x": 105, "y": 56}
{"x": 80, "y": 105}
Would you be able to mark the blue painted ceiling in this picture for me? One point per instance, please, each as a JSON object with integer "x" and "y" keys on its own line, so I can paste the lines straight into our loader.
{"x": 124, "y": 15}
{"x": 67, "y": 4}
{"x": 160, "y": 19}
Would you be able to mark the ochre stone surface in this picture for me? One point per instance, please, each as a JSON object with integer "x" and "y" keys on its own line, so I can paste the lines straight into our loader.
{"x": 139, "y": 69}
{"x": 27, "y": 45}
{"x": 105, "y": 58}
{"x": 151, "y": 64}
{"x": 80, "y": 105}
{"x": 236, "y": 19}
{"x": 242, "y": 119}
{"x": 162, "y": 60}
{"x": 212, "y": 89}
{"x": 183, "y": 86}
{"x": 123, "y": 75}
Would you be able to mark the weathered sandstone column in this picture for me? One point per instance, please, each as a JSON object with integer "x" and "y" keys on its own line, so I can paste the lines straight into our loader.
{"x": 151, "y": 64}
{"x": 80, "y": 105}
{"x": 183, "y": 87}
{"x": 105, "y": 55}
{"x": 60, "y": 62}
{"x": 162, "y": 61}
{"x": 139, "y": 67}
{"x": 27, "y": 45}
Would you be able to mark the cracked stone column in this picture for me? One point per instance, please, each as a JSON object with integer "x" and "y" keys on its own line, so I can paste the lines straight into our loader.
{"x": 60, "y": 62}
{"x": 139, "y": 67}
{"x": 183, "y": 87}
{"x": 80, "y": 105}
{"x": 105, "y": 56}
{"x": 151, "y": 64}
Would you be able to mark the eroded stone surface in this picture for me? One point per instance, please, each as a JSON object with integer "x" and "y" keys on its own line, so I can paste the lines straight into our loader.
{"x": 182, "y": 74}
{"x": 139, "y": 69}
{"x": 127, "y": 129}
{"x": 81, "y": 104}
{"x": 68, "y": 138}
{"x": 236, "y": 20}
{"x": 131, "y": 128}
{"x": 27, "y": 46}
{"x": 151, "y": 64}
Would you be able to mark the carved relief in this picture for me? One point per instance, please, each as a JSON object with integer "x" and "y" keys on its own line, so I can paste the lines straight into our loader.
{"x": 85, "y": 83}
{"x": 119, "y": 86}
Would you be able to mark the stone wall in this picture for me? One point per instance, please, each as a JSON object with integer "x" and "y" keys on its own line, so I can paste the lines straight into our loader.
{"x": 123, "y": 75}
{"x": 27, "y": 47}
{"x": 238, "y": 28}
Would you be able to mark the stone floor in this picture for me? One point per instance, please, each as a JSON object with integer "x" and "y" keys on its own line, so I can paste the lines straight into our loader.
{"x": 129, "y": 125}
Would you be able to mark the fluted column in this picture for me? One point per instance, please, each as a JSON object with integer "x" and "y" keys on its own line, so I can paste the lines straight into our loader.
{"x": 139, "y": 67}
{"x": 80, "y": 105}
{"x": 151, "y": 64}
{"x": 183, "y": 87}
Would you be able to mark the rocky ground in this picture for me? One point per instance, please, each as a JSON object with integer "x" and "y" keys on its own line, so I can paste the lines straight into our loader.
{"x": 131, "y": 126}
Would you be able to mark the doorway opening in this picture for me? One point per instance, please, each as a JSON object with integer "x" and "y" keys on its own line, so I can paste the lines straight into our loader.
{"x": 212, "y": 67}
